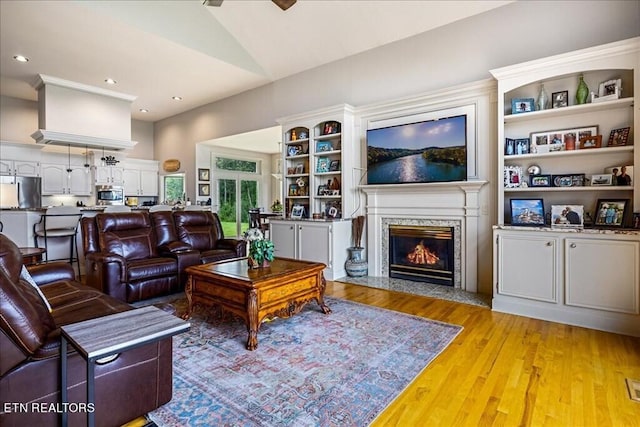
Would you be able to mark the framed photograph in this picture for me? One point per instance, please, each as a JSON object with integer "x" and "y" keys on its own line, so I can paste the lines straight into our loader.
{"x": 333, "y": 209}
{"x": 618, "y": 137}
{"x": 560, "y": 99}
{"x": 611, "y": 212}
{"x": 294, "y": 150}
{"x": 611, "y": 89}
{"x": 571, "y": 180}
{"x": 540, "y": 180}
{"x": 322, "y": 190}
{"x": 620, "y": 175}
{"x": 593, "y": 141}
{"x": 203, "y": 174}
{"x": 294, "y": 190}
{"x": 523, "y": 146}
{"x": 322, "y": 146}
{"x": 512, "y": 176}
{"x": 334, "y": 166}
{"x": 601, "y": 180}
{"x": 204, "y": 190}
{"x": 527, "y": 212}
{"x": 567, "y": 216}
{"x": 323, "y": 164}
{"x": 297, "y": 212}
{"x": 509, "y": 146}
{"x": 299, "y": 169}
{"x": 636, "y": 220}
{"x": 559, "y": 140}
{"x": 330, "y": 128}
{"x": 522, "y": 105}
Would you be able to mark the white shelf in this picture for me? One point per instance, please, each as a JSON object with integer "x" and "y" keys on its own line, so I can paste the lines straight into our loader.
{"x": 583, "y": 152}
{"x": 329, "y": 136}
{"x": 570, "y": 110}
{"x": 297, "y": 141}
{"x": 569, "y": 189}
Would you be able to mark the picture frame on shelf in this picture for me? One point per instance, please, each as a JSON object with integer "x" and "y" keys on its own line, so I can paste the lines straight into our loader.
{"x": 509, "y": 146}
{"x": 512, "y": 176}
{"x": 293, "y": 190}
{"x": 601, "y": 180}
{"x": 636, "y": 220}
{"x": 540, "y": 180}
{"x": 323, "y": 165}
{"x": 291, "y": 170}
{"x": 527, "y": 212}
{"x": 323, "y": 146}
{"x": 618, "y": 137}
{"x": 593, "y": 141}
{"x": 610, "y": 89}
{"x": 297, "y": 212}
{"x": 621, "y": 175}
{"x": 322, "y": 190}
{"x": 204, "y": 190}
{"x": 522, "y": 105}
{"x": 334, "y": 166}
{"x": 331, "y": 127}
{"x": 523, "y": 146}
{"x": 294, "y": 150}
{"x": 557, "y": 140}
{"x": 333, "y": 209}
{"x": 299, "y": 169}
{"x": 611, "y": 212}
{"x": 567, "y": 216}
{"x": 203, "y": 174}
{"x": 560, "y": 99}
{"x": 568, "y": 180}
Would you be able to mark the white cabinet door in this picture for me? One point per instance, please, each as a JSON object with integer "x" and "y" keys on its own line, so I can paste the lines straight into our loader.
{"x": 80, "y": 182}
{"x": 148, "y": 182}
{"x": 26, "y": 168}
{"x": 109, "y": 175}
{"x": 284, "y": 236}
{"x": 131, "y": 182}
{"x": 602, "y": 274}
{"x": 528, "y": 266}
{"x": 54, "y": 179}
{"x": 314, "y": 242}
{"x": 6, "y": 167}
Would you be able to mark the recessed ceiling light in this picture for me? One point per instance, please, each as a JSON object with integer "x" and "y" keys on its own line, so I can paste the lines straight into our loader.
{"x": 21, "y": 58}
{"x": 144, "y": 110}
{"x": 110, "y": 81}
{"x": 176, "y": 98}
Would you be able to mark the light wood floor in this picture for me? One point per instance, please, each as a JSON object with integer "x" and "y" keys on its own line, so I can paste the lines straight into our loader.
{"x": 508, "y": 370}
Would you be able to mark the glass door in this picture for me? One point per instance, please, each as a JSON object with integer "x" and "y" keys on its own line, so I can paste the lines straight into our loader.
{"x": 236, "y": 196}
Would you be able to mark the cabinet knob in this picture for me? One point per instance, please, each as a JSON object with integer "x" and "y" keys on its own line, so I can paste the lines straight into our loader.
{"x": 549, "y": 243}
{"x": 573, "y": 245}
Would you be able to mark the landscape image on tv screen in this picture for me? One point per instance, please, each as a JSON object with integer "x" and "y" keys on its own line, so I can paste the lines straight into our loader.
{"x": 429, "y": 151}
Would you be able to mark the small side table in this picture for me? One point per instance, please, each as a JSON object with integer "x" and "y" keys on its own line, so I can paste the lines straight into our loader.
{"x": 108, "y": 335}
{"x": 32, "y": 256}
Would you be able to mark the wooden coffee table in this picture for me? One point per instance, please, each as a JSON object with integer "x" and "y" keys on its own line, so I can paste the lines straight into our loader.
{"x": 281, "y": 290}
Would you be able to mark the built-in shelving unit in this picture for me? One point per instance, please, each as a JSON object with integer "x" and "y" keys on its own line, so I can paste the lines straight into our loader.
{"x": 318, "y": 155}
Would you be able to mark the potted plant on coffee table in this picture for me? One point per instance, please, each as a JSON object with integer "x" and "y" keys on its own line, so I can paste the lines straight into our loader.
{"x": 261, "y": 250}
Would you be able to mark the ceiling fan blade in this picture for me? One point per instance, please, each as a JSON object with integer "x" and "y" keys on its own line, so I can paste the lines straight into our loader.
{"x": 284, "y": 4}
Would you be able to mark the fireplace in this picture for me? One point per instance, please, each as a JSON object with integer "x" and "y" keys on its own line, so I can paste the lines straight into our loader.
{"x": 422, "y": 253}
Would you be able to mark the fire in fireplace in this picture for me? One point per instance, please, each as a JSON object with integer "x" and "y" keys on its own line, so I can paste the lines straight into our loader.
{"x": 422, "y": 253}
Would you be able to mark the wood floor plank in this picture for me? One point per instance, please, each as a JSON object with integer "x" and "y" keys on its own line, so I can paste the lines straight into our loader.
{"x": 506, "y": 370}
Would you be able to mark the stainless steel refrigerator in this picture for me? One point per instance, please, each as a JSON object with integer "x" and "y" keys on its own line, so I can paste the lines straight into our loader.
{"x": 29, "y": 190}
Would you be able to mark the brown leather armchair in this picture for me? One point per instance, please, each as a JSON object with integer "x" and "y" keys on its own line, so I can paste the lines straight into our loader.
{"x": 131, "y": 385}
{"x": 122, "y": 257}
{"x": 202, "y": 231}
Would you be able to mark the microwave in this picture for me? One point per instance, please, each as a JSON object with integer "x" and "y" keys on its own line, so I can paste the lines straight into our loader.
{"x": 109, "y": 195}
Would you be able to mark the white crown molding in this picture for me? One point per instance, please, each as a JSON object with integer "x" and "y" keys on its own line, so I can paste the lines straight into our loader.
{"x": 43, "y": 79}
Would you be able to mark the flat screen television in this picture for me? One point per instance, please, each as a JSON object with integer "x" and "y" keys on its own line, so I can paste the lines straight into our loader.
{"x": 425, "y": 151}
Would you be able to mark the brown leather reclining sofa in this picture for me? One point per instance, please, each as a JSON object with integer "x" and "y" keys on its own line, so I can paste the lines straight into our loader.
{"x": 133, "y": 384}
{"x": 134, "y": 256}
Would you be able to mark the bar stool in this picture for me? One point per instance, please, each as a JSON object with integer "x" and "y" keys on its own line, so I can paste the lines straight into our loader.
{"x": 59, "y": 222}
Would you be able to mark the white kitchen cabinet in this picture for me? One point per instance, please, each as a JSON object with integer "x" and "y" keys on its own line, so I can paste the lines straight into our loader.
{"x": 587, "y": 278}
{"x": 319, "y": 241}
{"x": 56, "y": 180}
{"x": 109, "y": 175}
{"x": 19, "y": 167}
{"x": 140, "y": 178}
{"x": 18, "y": 225}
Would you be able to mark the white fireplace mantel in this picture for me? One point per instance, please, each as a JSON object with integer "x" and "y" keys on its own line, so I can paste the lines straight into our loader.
{"x": 455, "y": 203}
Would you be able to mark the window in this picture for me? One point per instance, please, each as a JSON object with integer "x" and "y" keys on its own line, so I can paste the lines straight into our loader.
{"x": 235, "y": 165}
{"x": 174, "y": 188}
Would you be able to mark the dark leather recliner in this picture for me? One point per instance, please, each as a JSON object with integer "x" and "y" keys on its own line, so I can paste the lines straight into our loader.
{"x": 133, "y": 384}
{"x": 202, "y": 231}
{"x": 140, "y": 255}
{"x": 122, "y": 258}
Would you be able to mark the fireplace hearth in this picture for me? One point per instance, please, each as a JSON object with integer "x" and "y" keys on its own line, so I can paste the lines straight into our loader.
{"x": 422, "y": 253}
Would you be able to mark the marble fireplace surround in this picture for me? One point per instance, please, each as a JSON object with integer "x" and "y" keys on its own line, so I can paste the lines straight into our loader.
{"x": 450, "y": 204}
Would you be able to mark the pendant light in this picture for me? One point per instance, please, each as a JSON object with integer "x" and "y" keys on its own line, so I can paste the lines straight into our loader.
{"x": 103, "y": 159}
{"x": 69, "y": 170}
{"x": 87, "y": 166}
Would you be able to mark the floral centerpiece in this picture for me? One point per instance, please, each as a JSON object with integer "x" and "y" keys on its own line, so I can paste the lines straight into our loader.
{"x": 260, "y": 249}
{"x": 276, "y": 206}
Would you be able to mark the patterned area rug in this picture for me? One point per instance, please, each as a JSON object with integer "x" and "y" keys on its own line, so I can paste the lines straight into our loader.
{"x": 311, "y": 369}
